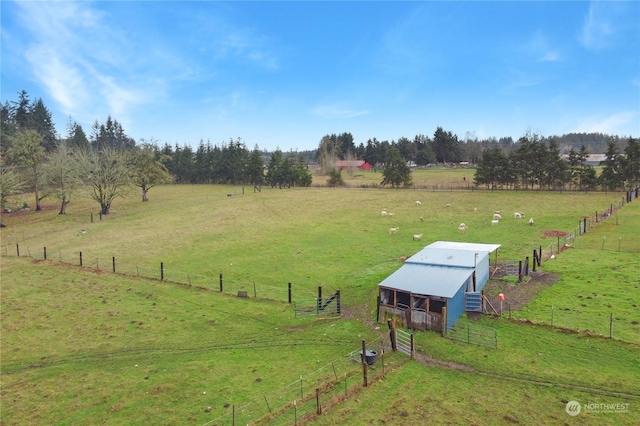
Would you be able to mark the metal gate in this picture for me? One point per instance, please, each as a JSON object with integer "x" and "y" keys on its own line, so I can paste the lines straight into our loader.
{"x": 404, "y": 342}
{"x": 475, "y": 334}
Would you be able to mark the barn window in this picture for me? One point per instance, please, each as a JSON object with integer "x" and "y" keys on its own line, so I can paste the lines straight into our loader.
{"x": 404, "y": 298}
{"x": 436, "y": 305}
{"x": 386, "y": 297}
{"x": 419, "y": 302}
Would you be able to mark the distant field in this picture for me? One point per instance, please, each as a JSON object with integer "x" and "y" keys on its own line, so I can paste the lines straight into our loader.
{"x": 89, "y": 347}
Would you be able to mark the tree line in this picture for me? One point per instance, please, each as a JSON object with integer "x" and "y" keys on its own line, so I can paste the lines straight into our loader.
{"x": 538, "y": 164}
{"x": 107, "y": 163}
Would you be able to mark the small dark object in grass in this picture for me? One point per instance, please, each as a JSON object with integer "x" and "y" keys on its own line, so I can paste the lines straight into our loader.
{"x": 634, "y": 322}
{"x": 258, "y": 380}
{"x": 227, "y": 405}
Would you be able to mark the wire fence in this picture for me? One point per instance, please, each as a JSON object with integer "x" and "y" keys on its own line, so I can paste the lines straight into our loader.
{"x": 602, "y": 324}
{"x": 306, "y": 397}
{"x": 210, "y": 282}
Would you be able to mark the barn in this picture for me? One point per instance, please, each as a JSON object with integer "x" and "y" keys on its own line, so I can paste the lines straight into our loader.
{"x": 434, "y": 287}
{"x": 353, "y": 165}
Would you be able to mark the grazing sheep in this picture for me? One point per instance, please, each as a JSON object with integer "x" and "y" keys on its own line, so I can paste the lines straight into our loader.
{"x": 475, "y": 210}
{"x": 421, "y": 219}
{"x": 462, "y": 227}
{"x": 418, "y": 203}
{"x": 384, "y": 212}
{"x": 417, "y": 236}
{"x": 531, "y": 221}
{"x": 497, "y": 216}
{"x": 517, "y": 215}
{"x": 495, "y": 222}
{"x": 448, "y": 205}
{"x": 391, "y": 214}
{"x": 393, "y": 230}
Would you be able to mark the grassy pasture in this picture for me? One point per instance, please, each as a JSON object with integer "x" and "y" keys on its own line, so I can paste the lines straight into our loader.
{"x": 71, "y": 339}
{"x": 91, "y": 348}
{"x": 418, "y": 395}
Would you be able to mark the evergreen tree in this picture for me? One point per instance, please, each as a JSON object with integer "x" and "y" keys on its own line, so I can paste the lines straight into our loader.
{"x": 42, "y": 122}
{"x": 612, "y": 176}
{"x": 255, "y": 168}
{"x": 632, "y": 163}
{"x": 489, "y": 170}
{"x": 396, "y": 172}
{"x": 76, "y": 137}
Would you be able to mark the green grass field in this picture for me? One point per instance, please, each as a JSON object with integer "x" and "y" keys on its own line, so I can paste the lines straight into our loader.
{"x": 86, "y": 346}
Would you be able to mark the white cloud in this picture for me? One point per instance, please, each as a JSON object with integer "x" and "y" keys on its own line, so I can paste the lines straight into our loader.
{"x": 337, "y": 112}
{"x": 606, "y": 22}
{"x": 539, "y": 48}
{"x": 620, "y": 123}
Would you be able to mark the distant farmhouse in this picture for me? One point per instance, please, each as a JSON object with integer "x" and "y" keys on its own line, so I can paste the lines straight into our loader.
{"x": 437, "y": 285}
{"x": 592, "y": 159}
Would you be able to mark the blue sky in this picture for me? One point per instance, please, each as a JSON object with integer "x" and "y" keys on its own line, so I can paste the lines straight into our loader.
{"x": 284, "y": 74}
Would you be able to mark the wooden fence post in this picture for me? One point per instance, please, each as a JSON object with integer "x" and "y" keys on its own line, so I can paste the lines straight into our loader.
{"x": 161, "y": 271}
{"x": 113, "y": 262}
{"x": 364, "y": 364}
{"x": 318, "y": 405}
{"x": 392, "y": 335}
{"x": 220, "y": 282}
{"x": 45, "y": 253}
{"x": 444, "y": 321}
{"x": 80, "y": 258}
{"x": 412, "y": 346}
{"x": 17, "y": 249}
{"x": 289, "y": 293}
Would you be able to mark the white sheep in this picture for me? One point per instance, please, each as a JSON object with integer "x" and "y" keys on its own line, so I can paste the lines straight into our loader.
{"x": 391, "y": 214}
{"x": 518, "y": 215}
{"x": 462, "y": 227}
{"x": 475, "y": 210}
{"x": 383, "y": 212}
{"x": 418, "y": 203}
{"x": 393, "y": 230}
{"x": 497, "y": 216}
{"x": 417, "y": 236}
{"x": 495, "y": 222}
{"x": 421, "y": 219}
{"x": 531, "y": 221}
{"x": 448, "y": 205}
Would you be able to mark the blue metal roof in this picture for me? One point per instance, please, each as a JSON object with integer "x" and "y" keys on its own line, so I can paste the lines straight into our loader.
{"x": 447, "y": 257}
{"x": 439, "y": 269}
{"x": 417, "y": 278}
{"x": 464, "y": 246}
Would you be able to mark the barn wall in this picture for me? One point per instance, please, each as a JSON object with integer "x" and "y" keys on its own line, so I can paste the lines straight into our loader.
{"x": 482, "y": 272}
{"x": 455, "y": 307}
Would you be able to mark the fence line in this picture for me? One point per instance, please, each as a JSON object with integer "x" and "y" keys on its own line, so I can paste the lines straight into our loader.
{"x": 305, "y": 398}
{"x": 563, "y": 318}
{"x": 209, "y": 282}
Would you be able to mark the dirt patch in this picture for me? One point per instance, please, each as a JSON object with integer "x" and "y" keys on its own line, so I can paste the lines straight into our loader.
{"x": 427, "y": 360}
{"x": 551, "y": 233}
{"x": 517, "y": 295}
